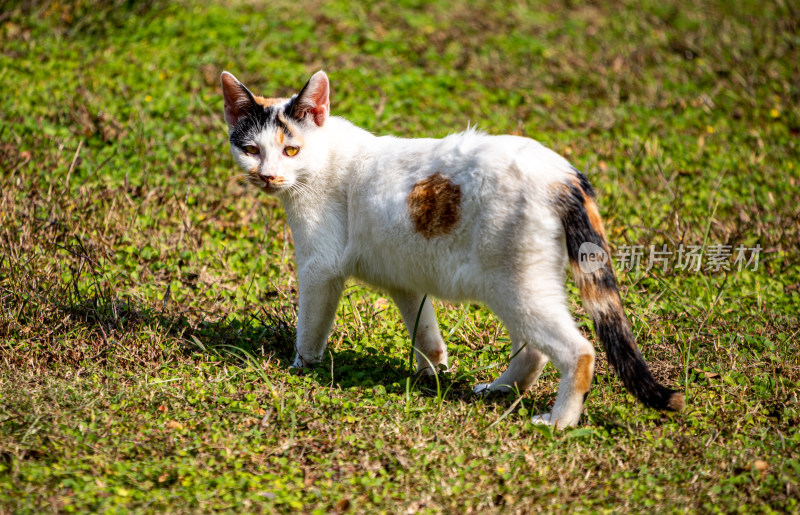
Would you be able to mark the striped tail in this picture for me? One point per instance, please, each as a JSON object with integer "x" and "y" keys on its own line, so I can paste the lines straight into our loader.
{"x": 589, "y": 258}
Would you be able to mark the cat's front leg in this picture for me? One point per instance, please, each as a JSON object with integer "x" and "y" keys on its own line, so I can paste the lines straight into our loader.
{"x": 430, "y": 349}
{"x": 319, "y": 297}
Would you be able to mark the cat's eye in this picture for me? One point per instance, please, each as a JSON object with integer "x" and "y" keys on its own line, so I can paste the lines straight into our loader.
{"x": 291, "y": 151}
{"x": 251, "y": 149}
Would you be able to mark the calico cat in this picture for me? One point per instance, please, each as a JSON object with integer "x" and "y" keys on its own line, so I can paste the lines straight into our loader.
{"x": 468, "y": 217}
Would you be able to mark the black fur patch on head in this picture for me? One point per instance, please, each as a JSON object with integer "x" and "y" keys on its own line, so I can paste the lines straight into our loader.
{"x": 256, "y": 120}
{"x": 290, "y": 107}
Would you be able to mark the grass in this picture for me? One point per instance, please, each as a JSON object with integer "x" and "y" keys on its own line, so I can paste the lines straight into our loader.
{"x": 147, "y": 305}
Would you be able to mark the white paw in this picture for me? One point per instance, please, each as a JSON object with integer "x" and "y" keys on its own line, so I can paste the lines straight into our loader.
{"x": 300, "y": 362}
{"x": 542, "y": 418}
{"x": 482, "y": 389}
{"x": 437, "y": 369}
{"x": 559, "y": 423}
{"x": 426, "y": 371}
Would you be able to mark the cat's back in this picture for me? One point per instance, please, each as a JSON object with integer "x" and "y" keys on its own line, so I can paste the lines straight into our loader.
{"x": 472, "y": 159}
{"x": 486, "y": 173}
{"x": 439, "y": 210}
{"x": 510, "y": 159}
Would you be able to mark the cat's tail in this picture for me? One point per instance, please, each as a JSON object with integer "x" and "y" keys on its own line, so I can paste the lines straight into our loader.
{"x": 590, "y": 260}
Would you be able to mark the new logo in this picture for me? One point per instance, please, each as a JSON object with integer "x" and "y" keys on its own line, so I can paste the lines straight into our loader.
{"x": 591, "y": 257}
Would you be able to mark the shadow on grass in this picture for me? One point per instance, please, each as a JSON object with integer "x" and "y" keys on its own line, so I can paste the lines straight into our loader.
{"x": 100, "y": 328}
{"x": 235, "y": 341}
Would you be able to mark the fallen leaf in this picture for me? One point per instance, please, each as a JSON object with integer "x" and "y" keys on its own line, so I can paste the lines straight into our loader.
{"x": 706, "y": 373}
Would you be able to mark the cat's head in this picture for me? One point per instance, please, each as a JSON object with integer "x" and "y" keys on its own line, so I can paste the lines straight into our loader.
{"x": 277, "y": 141}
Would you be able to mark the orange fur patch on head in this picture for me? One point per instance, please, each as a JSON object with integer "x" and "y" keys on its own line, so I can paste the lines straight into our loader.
{"x": 269, "y": 102}
{"x": 434, "y": 204}
{"x": 294, "y": 131}
{"x": 584, "y": 370}
{"x": 279, "y": 137}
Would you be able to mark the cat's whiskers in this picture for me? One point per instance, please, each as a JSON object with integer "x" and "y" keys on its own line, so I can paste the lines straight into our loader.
{"x": 303, "y": 191}
{"x": 242, "y": 180}
{"x": 255, "y": 180}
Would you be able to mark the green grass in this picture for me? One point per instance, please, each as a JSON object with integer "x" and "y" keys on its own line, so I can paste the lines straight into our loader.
{"x": 147, "y": 305}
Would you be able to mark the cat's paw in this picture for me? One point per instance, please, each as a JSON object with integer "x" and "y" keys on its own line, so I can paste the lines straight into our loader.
{"x": 558, "y": 423}
{"x": 542, "y": 418}
{"x": 441, "y": 368}
{"x": 482, "y": 389}
{"x": 300, "y": 362}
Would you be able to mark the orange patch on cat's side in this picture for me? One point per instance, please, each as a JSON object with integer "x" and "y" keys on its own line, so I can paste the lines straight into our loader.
{"x": 434, "y": 205}
{"x": 583, "y": 373}
{"x": 269, "y": 102}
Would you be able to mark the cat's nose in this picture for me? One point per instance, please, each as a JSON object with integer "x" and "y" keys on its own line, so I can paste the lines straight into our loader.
{"x": 267, "y": 178}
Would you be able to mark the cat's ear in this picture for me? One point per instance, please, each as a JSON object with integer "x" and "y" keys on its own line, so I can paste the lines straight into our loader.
{"x": 314, "y": 99}
{"x": 238, "y": 99}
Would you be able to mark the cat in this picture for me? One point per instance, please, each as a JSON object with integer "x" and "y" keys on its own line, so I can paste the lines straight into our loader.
{"x": 470, "y": 217}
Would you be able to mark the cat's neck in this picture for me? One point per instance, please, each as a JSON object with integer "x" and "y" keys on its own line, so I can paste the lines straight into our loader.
{"x": 349, "y": 146}
{"x": 314, "y": 209}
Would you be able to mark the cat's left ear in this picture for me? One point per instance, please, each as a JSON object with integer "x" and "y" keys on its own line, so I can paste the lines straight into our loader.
{"x": 238, "y": 99}
{"x": 314, "y": 99}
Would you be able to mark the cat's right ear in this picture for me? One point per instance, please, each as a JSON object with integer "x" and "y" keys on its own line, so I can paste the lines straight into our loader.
{"x": 313, "y": 100}
{"x": 238, "y": 99}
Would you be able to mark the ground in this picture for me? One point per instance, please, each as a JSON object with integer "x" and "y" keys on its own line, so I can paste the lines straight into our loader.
{"x": 148, "y": 304}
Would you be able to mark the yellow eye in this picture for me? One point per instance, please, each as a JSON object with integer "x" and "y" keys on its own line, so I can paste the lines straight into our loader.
{"x": 251, "y": 149}
{"x": 291, "y": 151}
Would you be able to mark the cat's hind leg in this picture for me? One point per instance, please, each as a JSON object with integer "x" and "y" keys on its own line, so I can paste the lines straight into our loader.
{"x": 574, "y": 357}
{"x": 542, "y": 318}
{"x": 523, "y": 370}
{"x": 430, "y": 349}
